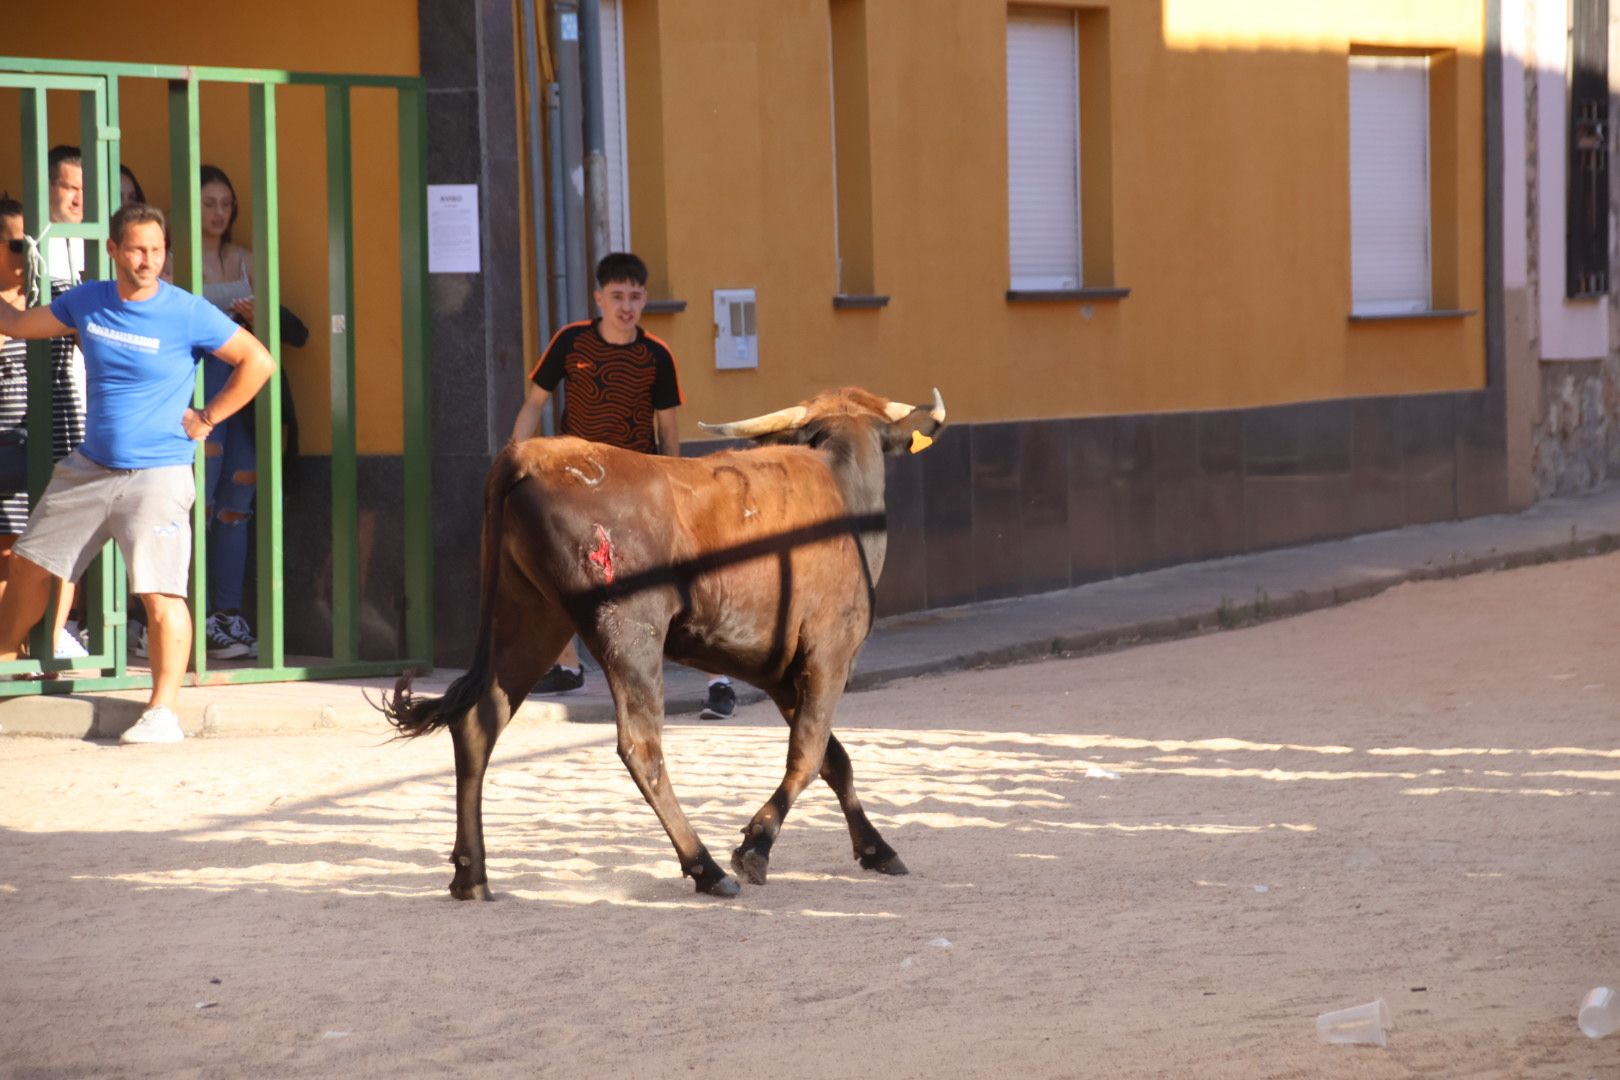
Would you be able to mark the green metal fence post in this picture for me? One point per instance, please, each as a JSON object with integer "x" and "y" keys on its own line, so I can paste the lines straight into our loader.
{"x": 417, "y": 386}
{"x": 267, "y": 315}
{"x": 345, "y": 472}
{"x": 93, "y": 159}
{"x": 114, "y": 635}
{"x": 185, "y": 235}
{"x": 102, "y": 597}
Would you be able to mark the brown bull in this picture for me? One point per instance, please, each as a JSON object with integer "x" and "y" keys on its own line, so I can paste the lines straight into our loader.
{"x": 761, "y": 564}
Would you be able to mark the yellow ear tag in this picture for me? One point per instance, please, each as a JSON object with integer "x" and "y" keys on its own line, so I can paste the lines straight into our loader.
{"x": 920, "y": 442}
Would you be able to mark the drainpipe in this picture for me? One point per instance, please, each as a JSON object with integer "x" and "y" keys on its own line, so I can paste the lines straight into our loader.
{"x": 537, "y": 186}
{"x": 596, "y": 196}
{"x": 565, "y": 44}
{"x": 559, "y": 223}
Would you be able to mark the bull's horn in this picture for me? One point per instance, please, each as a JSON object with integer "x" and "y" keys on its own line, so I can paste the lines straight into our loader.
{"x": 899, "y": 410}
{"x": 752, "y": 428}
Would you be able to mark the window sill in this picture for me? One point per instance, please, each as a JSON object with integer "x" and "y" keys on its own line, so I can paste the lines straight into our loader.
{"x": 664, "y": 307}
{"x": 1025, "y": 296}
{"x": 1401, "y": 316}
{"x": 859, "y": 301}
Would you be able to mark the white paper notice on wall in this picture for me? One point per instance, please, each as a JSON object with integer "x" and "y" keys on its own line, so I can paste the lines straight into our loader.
{"x": 453, "y": 229}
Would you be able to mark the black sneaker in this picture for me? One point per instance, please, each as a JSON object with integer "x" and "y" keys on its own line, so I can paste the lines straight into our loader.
{"x": 559, "y": 680}
{"x": 722, "y": 703}
{"x": 222, "y": 644}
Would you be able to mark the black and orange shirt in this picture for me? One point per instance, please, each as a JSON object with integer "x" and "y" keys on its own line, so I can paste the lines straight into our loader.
{"x": 612, "y": 390}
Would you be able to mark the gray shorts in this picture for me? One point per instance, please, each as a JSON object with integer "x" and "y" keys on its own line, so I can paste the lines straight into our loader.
{"x": 148, "y": 511}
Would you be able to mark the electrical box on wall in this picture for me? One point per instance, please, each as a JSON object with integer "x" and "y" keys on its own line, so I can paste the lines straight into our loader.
{"x": 736, "y": 337}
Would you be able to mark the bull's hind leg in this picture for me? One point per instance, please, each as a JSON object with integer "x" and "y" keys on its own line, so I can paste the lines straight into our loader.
{"x": 809, "y": 715}
{"x": 638, "y": 701}
{"x": 522, "y": 655}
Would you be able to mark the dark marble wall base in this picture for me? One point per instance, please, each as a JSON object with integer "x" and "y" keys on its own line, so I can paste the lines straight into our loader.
{"x": 1003, "y": 509}
{"x": 307, "y": 547}
{"x": 458, "y": 484}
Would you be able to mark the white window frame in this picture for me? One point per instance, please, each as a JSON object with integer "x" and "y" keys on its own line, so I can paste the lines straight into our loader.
{"x": 1043, "y": 149}
{"x": 1391, "y": 255}
{"x": 613, "y": 125}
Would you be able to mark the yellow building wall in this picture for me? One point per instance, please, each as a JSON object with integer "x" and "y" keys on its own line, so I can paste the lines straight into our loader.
{"x": 376, "y": 37}
{"x": 1228, "y": 155}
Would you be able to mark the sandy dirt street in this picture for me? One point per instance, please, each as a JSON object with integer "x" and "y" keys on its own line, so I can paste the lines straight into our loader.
{"x": 1163, "y": 862}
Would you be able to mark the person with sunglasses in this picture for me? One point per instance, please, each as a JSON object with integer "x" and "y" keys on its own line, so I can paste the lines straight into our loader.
{"x": 13, "y": 373}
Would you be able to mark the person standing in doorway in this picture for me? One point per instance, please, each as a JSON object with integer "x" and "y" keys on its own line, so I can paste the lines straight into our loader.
{"x": 620, "y": 388}
{"x": 229, "y": 455}
{"x": 131, "y": 481}
{"x": 66, "y": 259}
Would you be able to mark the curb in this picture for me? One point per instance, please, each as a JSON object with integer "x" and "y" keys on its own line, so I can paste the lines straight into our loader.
{"x": 104, "y": 716}
{"x": 1229, "y": 617}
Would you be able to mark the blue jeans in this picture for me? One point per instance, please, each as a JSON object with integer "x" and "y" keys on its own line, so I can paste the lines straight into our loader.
{"x": 230, "y": 484}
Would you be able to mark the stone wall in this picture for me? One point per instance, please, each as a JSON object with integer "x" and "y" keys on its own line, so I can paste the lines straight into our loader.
{"x": 1576, "y": 439}
{"x": 1577, "y": 436}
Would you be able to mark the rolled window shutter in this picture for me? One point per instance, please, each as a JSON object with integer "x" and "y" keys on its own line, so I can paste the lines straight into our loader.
{"x": 1587, "y": 199}
{"x": 618, "y": 175}
{"x": 1043, "y": 149}
{"x": 1389, "y": 184}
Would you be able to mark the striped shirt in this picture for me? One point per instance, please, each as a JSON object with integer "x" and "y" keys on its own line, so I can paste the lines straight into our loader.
{"x": 612, "y": 391}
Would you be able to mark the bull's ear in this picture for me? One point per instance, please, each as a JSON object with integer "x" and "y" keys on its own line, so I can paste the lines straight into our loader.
{"x": 912, "y": 433}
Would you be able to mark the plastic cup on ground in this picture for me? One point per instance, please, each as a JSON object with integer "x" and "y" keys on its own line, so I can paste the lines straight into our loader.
{"x": 1600, "y": 1013}
{"x": 1362, "y": 1025}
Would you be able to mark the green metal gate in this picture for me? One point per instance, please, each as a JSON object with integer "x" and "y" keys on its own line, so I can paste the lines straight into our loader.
{"x": 104, "y": 589}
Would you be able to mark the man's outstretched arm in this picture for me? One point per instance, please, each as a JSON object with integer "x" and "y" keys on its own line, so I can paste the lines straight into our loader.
{"x": 36, "y": 322}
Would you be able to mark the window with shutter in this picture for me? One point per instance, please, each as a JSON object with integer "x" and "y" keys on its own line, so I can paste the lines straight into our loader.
{"x": 851, "y": 147}
{"x": 1587, "y": 243}
{"x": 1043, "y": 149}
{"x": 613, "y": 113}
{"x": 1389, "y": 185}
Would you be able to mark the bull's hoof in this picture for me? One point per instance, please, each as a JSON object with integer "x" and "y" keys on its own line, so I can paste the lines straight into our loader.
{"x": 725, "y": 887}
{"x": 470, "y": 892}
{"x": 884, "y": 862}
{"x": 709, "y": 878}
{"x": 751, "y": 866}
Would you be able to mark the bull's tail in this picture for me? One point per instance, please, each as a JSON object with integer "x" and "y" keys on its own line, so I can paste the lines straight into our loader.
{"x": 412, "y": 715}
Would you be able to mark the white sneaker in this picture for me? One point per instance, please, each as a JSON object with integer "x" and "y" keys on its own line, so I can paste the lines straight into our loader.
{"x": 69, "y": 647}
{"x": 156, "y": 725}
{"x": 137, "y": 638}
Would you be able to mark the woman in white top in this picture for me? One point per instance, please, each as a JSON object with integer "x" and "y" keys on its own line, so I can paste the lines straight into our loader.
{"x": 228, "y": 453}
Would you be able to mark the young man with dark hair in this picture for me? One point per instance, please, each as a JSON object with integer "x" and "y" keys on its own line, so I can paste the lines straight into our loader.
{"x": 621, "y": 389}
{"x": 131, "y": 480}
{"x": 66, "y": 174}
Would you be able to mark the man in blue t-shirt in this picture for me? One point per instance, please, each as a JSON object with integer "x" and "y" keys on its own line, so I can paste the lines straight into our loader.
{"x": 131, "y": 479}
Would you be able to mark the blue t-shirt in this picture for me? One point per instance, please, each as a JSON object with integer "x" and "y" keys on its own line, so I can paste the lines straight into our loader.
{"x": 140, "y": 362}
